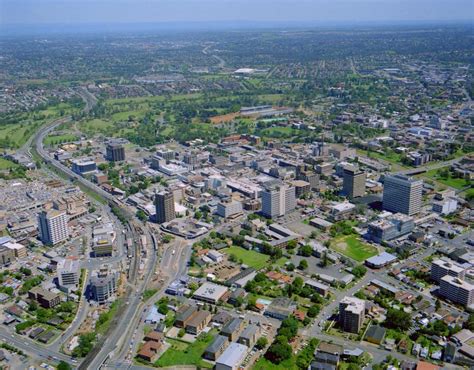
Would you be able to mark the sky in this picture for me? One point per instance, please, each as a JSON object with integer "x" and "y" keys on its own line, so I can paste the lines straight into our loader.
{"x": 33, "y": 12}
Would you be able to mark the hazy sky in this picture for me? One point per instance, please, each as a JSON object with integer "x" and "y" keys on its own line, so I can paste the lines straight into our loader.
{"x": 135, "y": 11}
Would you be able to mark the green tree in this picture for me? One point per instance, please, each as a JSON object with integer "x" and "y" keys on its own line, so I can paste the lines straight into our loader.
{"x": 261, "y": 342}
{"x": 63, "y": 366}
{"x": 279, "y": 351}
{"x": 397, "y": 319}
{"x": 303, "y": 265}
{"x": 306, "y": 250}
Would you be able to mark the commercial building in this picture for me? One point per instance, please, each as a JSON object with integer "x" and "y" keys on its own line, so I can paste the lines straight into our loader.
{"x": 18, "y": 249}
{"x": 301, "y": 187}
{"x": 445, "y": 202}
{"x": 445, "y": 267}
{"x": 381, "y": 260}
{"x": 45, "y": 298}
{"x": 216, "y": 348}
{"x": 390, "y": 228}
{"x": 280, "y": 308}
{"x": 402, "y": 194}
{"x": 310, "y": 177}
{"x": 7, "y": 256}
{"x": 457, "y": 290}
{"x": 115, "y": 152}
{"x": 353, "y": 185}
{"x": 68, "y": 273}
{"x": 232, "y": 329}
{"x": 198, "y": 321}
{"x": 103, "y": 285}
{"x": 232, "y": 357}
{"x": 83, "y": 166}
{"x": 53, "y": 227}
{"x": 210, "y": 293}
{"x": 229, "y": 209}
{"x": 351, "y": 314}
{"x": 164, "y": 203}
{"x": 249, "y": 335}
{"x": 278, "y": 201}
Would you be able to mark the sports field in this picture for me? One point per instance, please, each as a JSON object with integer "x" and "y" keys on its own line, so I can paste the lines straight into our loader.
{"x": 249, "y": 258}
{"x": 352, "y": 247}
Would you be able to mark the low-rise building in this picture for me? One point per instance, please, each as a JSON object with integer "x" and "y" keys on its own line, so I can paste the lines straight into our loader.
{"x": 45, "y": 298}
{"x": 210, "y": 293}
{"x": 216, "y": 348}
{"x": 232, "y": 357}
{"x": 280, "y": 308}
{"x": 198, "y": 322}
{"x": 249, "y": 335}
{"x": 232, "y": 329}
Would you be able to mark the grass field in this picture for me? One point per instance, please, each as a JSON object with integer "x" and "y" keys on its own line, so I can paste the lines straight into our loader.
{"x": 264, "y": 364}
{"x": 352, "y": 247}
{"x": 56, "y": 139}
{"x": 6, "y": 164}
{"x": 449, "y": 181}
{"x": 250, "y": 258}
{"x": 181, "y": 353}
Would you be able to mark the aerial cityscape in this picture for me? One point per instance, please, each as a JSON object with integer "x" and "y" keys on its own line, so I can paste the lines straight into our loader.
{"x": 254, "y": 197}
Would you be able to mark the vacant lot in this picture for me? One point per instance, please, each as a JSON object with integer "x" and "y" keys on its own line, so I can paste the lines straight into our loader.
{"x": 250, "y": 258}
{"x": 181, "y": 353}
{"x": 450, "y": 181}
{"x": 6, "y": 164}
{"x": 352, "y": 247}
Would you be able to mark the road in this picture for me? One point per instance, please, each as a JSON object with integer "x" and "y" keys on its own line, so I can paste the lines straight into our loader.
{"x": 173, "y": 264}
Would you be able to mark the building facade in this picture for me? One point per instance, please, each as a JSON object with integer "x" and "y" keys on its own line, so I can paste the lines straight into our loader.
{"x": 53, "y": 227}
{"x": 353, "y": 185}
{"x": 115, "y": 152}
{"x": 351, "y": 314}
{"x": 278, "y": 201}
{"x": 164, "y": 203}
{"x": 402, "y": 194}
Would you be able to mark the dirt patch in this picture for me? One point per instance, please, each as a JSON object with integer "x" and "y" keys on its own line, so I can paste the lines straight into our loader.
{"x": 224, "y": 118}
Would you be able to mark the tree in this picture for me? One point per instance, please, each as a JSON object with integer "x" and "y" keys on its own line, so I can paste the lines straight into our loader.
{"x": 306, "y": 250}
{"x": 359, "y": 271}
{"x": 290, "y": 267}
{"x": 313, "y": 311}
{"x": 397, "y": 319}
{"x": 324, "y": 260}
{"x": 63, "y": 366}
{"x": 303, "y": 265}
{"x": 279, "y": 351}
{"x": 141, "y": 215}
{"x": 261, "y": 342}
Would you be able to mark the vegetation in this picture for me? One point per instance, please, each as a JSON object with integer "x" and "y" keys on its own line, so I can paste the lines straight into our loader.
{"x": 248, "y": 257}
{"x": 352, "y": 247}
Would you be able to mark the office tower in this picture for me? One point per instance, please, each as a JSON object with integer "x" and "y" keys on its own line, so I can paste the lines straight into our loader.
{"x": 351, "y": 314}
{"x": 68, "y": 272}
{"x": 53, "y": 227}
{"x": 228, "y": 209}
{"x": 353, "y": 185}
{"x": 277, "y": 201}
{"x": 164, "y": 202}
{"x": 103, "y": 284}
{"x": 402, "y": 194}
{"x": 445, "y": 267}
{"x": 115, "y": 152}
{"x": 457, "y": 290}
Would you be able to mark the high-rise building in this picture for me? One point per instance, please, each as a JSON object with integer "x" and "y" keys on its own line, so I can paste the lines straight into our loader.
{"x": 457, "y": 290}
{"x": 103, "y": 284}
{"x": 68, "y": 273}
{"x": 229, "y": 208}
{"x": 53, "y": 227}
{"x": 351, "y": 314}
{"x": 353, "y": 185}
{"x": 115, "y": 152}
{"x": 445, "y": 267}
{"x": 402, "y": 194}
{"x": 277, "y": 201}
{"x": 164, "y": 203}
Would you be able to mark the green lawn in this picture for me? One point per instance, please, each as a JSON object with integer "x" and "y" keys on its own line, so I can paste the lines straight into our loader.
{"x": 352, "y": 247}
{"x": 264, "y": 364}
{"x": 448, "y": 181}
{"x": 6, "y": 164}
{"x": 250, "y": 258}
{"x": 59, "y": 139}
{"x": 181, "y": 353}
